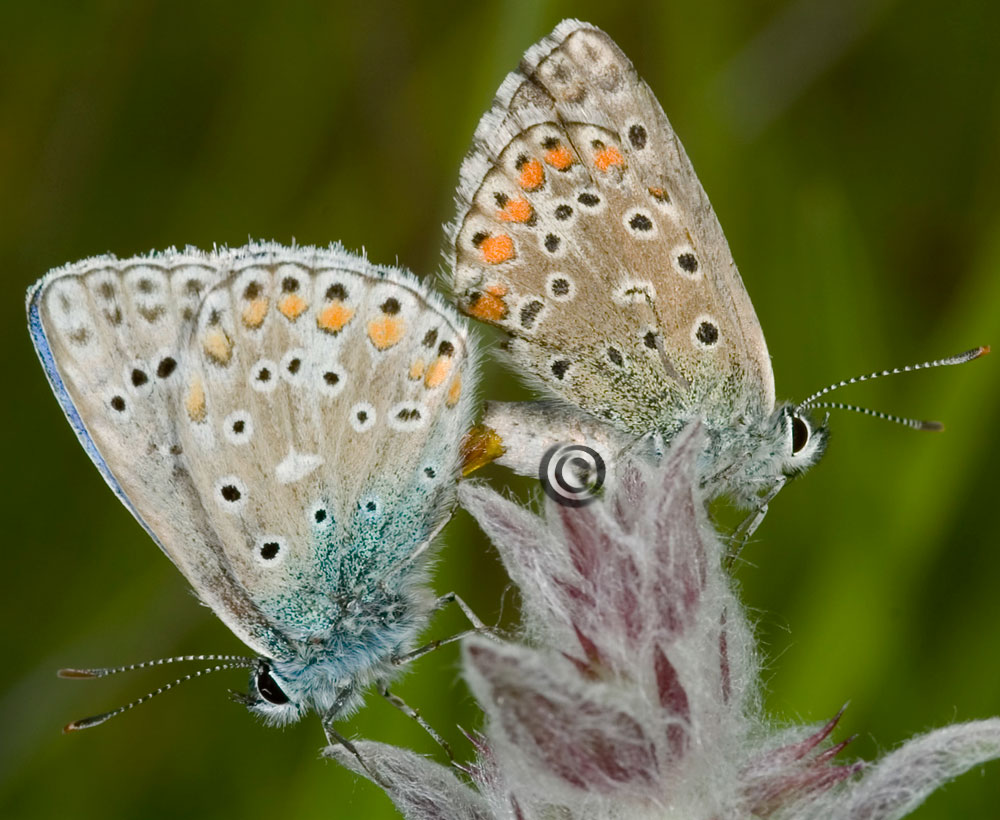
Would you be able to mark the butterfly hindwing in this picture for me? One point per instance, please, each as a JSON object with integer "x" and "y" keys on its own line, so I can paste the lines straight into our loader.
{"x": 331, "y": 393}
{"x": 585, "y": 234}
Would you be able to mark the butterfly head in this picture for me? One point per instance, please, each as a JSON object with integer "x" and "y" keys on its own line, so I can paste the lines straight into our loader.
{"x": 277, "y": 699}
{"x": 800, "y": 438}
{"x": 283, "y": 692}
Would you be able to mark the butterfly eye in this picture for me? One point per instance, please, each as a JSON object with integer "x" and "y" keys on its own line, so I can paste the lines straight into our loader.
{"x": 800, "y": 434}
{"x": 268, "y": 686}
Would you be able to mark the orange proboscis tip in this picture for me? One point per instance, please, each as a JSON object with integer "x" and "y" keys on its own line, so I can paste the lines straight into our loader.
{"x": 217, "y": 346}
{"x": 608, "y": 156}
{"x": 334, "y": 317}
{"x": 77, "y": 673}
{"x": 532, "y": 175}
{"x": 254, "y": 313}
{"x": 437, "y": 372}
{"x": 983, "y": 350}
{"x": 480, "y": 446}
{"x": 292, "y": 306}
{"x": 195, "y": 401}
{"x": 417, "y": 369}
{"x": 386, "y": 331}
{"x": 497, "y": 249}
{"x": 559, "y": 157}
{"x": 490, "y": 306}
{"x": 516, "y": 210}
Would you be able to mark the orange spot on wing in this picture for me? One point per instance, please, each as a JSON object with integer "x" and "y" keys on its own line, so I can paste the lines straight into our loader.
{"x": 532, "y": 175}
{"x": 417, "y": 369}
{"x": 516, "y": 210}
{"x": 454, "y": 392}
{"x": 292, "y": 306}
{"x": 254, "y": 313}
{"x": 608, "y": 156}
{"x": 497, "y": 249}
{"x": 490, "y": 306}
{"x": 559, "y": 157}
{"x": 217, "y": 346}
{"x": 195, "y": 401}
{"x": 437, "y": 372}
{"x": 334, "y": 317}
{"x": 386, "y": 331}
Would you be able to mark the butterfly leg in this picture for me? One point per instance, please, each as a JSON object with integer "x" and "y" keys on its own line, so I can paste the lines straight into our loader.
{"x": 333, "y": 737}
{"x": 748, "y": 526}
{"x": 478, "y": 628}
{"x": 413, "y": 714}
{"x": 453, "y": 598}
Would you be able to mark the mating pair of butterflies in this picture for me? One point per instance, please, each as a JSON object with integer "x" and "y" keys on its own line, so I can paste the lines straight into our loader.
{"x": 286, "y": 423}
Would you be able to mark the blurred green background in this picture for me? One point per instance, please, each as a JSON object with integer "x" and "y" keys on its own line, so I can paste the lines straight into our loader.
{"x": 851, "y": 151}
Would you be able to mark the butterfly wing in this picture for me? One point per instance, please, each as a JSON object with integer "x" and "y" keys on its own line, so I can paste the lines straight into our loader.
{"x": 332, "y": 395}
{"x": 584, "y": 233}
{"x": 154, "y": 361}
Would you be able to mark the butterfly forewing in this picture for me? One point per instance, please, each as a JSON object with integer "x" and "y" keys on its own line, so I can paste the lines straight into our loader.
{"x": 111, "y": 335}
{"x": 585, "y": 234}
{"x": 284, "y": 422}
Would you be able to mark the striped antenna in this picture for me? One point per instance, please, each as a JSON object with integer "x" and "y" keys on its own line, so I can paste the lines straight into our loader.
{"x": 114, "y": 670}
{"x": 913, "y": 424}
{"x": 961, "y": 358}
{"x": 96, "y": 720}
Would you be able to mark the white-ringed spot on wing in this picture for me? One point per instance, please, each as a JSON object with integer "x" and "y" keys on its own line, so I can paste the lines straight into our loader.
{"x": 264, "y": 376}
{"x": 166, "y": 364}
{"x": 370, "y": 506}
{"x": 292, "y": 367}
{"x": 564, "y": 212}
{"x": 362, "y": 416}
{"x": 237, "y": 427}
{"x": 685, "y": 261}
{"x": 270, "y": 550}
{"x": 406, "y": 416}
{"x": 637, "y": 136}
{"x": 640, "y": 224}
{"x": 319, "y": 516}
{"x": 553, "y": 245}
{"x": 330, "y": 379}
{"x": 705, "y": 332}
{"x": 231, "y": 493}
{"x": 560, "y": 287}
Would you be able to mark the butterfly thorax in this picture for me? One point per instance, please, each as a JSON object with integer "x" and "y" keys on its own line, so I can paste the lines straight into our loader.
{"x": 329, "y": 671}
